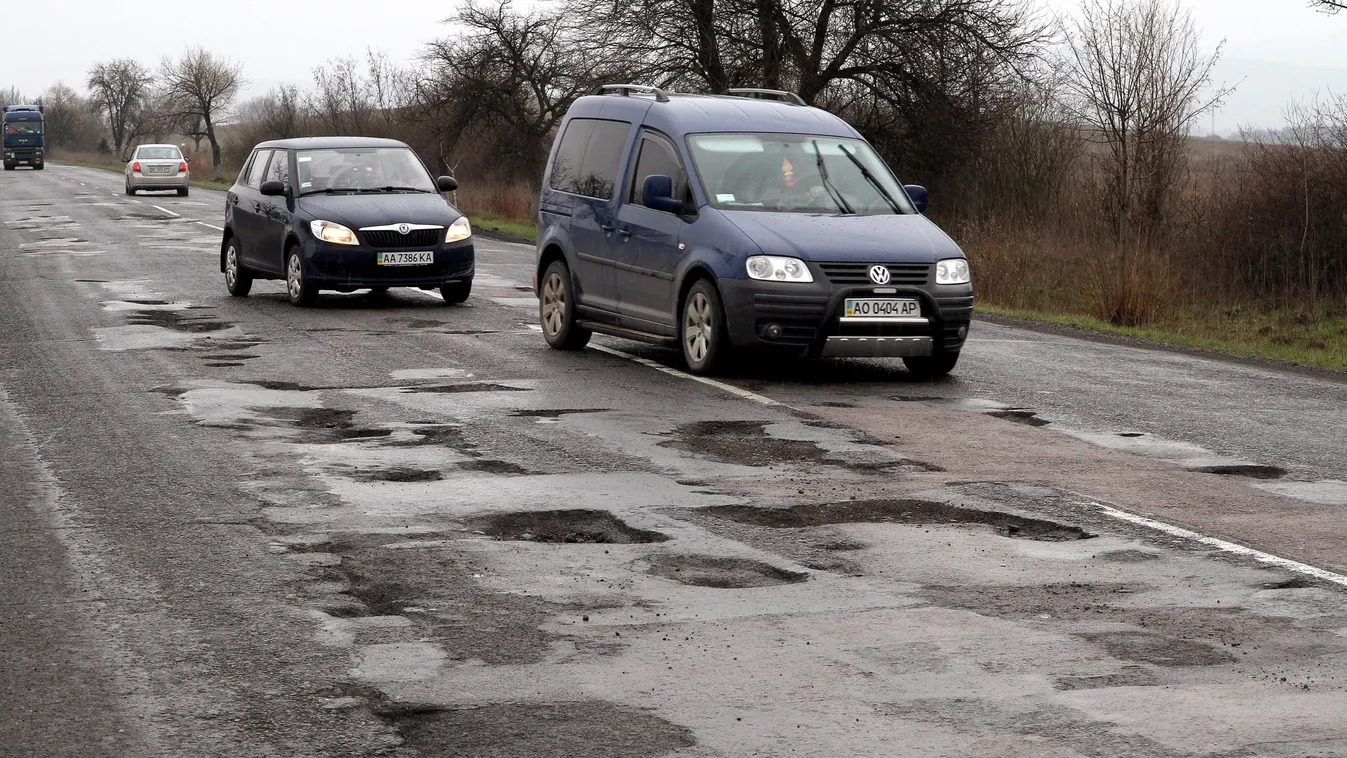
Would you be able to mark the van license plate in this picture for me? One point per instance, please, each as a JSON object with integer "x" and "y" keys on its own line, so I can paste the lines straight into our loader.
{"x": 881, "y": 308}
{"x": 424, "y": 258}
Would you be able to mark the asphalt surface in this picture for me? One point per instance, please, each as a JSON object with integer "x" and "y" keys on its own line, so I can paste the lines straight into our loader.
{"x": 386, "y": 526}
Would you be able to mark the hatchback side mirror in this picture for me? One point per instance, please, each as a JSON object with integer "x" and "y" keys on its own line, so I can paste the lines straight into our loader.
{"x": 918, "y": 195}
{"x": 272, "y": 188}
{"x": 446, "y": 183}
{"x": 657, "y": 194}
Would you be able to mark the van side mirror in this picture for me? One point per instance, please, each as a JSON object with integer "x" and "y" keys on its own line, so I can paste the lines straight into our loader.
{"x": 272, "y": 188}
{"x": 446, "y": 183}
{"x": 657, "y": 194}
{"x": 918, "y": 195}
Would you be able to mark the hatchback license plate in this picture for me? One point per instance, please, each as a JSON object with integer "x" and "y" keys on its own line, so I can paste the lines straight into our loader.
{"x": 424, "y": 258}
{"x": 882, "y": 308}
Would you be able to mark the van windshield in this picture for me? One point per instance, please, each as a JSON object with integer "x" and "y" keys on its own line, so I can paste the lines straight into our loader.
{"x": 365, "y": 169}
{"x": 795, "y": 173}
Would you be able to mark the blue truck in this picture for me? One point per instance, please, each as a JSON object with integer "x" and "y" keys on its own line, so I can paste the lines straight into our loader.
{"x": 24, "y": 132}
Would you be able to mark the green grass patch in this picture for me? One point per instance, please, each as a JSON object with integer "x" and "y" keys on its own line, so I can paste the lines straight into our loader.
{"x": 1312, "y": 339}
{"x": 522, "y": 228}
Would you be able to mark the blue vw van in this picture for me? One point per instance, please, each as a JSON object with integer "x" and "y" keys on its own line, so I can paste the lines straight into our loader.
{"x": 744, "y": 220}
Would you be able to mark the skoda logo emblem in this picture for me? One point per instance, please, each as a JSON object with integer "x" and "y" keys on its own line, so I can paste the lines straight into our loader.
{"x": 879, "y": 274}
{"x": 406, "y": 228}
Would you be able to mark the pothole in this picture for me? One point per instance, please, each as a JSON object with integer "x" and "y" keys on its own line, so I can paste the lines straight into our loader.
{"x": 1251, "y": 470}
{"x": 1128, "y": 556}
{"x": 594, "y": 728}
{"x": 1131, "y": 434}
{"x": 493, "y": 466}
{"x": 1020, "y": 416}
{"x": 747, "y": 443}
{"x": 567, "y": 526}
{"x": 721, "y": 573}
{"x": 1055, "y": 600}
{"x": 1290, "y": 583}
{"x": 453, "y": 389}
{"x": 1157, "y": 649}
{"x": 325, "y": 425}
{"x": 555, "y": 412}
{"x": 916, "y": 512}
{"x": 398, "y": 474}
{"x": 223, "y": 364}
{"x": 1129, "y": 676}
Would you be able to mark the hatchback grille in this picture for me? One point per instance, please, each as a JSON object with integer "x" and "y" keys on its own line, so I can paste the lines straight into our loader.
{"x": 416, "y": 238}
{"x": 859, "y": 273}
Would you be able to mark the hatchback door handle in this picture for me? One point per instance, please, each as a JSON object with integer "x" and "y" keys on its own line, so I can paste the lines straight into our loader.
{"x": 624, "y": 232}
{"x": 606, "y": 227}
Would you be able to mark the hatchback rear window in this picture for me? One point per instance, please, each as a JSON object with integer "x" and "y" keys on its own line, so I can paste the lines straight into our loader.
{"x": 587, "y": 158}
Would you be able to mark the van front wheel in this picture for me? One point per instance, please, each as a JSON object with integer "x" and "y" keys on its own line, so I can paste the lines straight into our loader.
{"x": 702, "y": 333}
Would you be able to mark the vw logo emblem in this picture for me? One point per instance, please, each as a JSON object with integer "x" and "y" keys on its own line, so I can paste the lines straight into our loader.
{"x": 879, "y": 274}
{"x": 407, "y": 228}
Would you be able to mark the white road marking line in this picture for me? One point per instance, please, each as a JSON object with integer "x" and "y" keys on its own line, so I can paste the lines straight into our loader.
{"x": 1224, "y": 546}
{"x": 165, "y": 210}
{"x": 737, "y": 392}
{"x": 212, "y": 226}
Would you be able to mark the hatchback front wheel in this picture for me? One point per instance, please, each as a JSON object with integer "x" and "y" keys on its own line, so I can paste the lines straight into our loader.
{"x": 297, "y": 286}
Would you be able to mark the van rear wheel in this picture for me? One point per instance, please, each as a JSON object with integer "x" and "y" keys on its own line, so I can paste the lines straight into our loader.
{"x": 556, "y": 310}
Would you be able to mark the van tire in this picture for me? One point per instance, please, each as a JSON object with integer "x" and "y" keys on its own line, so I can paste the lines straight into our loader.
{"x": 701, "y": 328}
{"x": 556, "y": 310}
{"x": 933, "y": 366}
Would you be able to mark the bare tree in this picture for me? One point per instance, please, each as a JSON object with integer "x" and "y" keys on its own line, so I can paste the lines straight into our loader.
{"x": 1329, "y": 6}
{"x": 118, "y": 89}
{"x": 199, "y": 83}
{"x": 72, "y": 123}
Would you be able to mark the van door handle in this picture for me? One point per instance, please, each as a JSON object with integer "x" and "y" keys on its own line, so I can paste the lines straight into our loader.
{"x": 606, "y": 227}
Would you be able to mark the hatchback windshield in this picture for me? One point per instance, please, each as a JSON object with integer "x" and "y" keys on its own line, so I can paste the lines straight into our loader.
{"x": 797, "y": 173}
{"x": 23, "y": 127}
{"x": 377, "y": 169}
{"x": 159, "y": 154}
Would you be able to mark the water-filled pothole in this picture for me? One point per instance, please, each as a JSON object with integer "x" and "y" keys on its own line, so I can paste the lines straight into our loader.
{"x": 555, "y": 412}
{"x": 566, "y": 526}
{"x": 917, "y": 512}
{"x": 721, "y": 573}
{"x": 1020, "y": 416}
{"x": 324, "y": 425}
{"x": 1251, "y": 470}
{"x": 176, "y": 321}
{"x": 594, "y": 728}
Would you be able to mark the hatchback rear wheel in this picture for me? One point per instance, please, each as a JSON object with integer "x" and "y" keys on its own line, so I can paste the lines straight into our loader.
{"x": 556, "y": 310}
{"x": 237, "y": 279}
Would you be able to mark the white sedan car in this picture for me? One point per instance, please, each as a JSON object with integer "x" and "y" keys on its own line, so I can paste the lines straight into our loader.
{"x": 157, "y": 167}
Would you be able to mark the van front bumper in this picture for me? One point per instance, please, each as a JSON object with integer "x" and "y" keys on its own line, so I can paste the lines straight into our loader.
{"x": 807, "y": 319}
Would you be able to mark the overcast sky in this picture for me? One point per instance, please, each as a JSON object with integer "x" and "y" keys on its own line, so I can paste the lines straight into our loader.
{"x": 1276, "y": 50}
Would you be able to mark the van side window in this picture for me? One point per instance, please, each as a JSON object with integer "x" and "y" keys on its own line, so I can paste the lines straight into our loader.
{"x": 657, "y": 156}
{"x": 588, "y": 157}
{"x": 259, "y": 164}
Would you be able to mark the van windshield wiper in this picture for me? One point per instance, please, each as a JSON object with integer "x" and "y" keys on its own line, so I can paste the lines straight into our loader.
{"x": 869, "y": 177}
{"x": 828, "y": 185}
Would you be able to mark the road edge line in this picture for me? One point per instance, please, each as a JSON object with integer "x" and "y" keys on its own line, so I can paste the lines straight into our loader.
{"x": 165, "y": 210}
{"x": 731, "y": 389}
{"x": 211, "y": 226}
{"x": 1222, "y": 545}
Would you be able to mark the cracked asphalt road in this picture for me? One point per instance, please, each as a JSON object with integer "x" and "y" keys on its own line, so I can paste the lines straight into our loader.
{"x": 385, "y": 526}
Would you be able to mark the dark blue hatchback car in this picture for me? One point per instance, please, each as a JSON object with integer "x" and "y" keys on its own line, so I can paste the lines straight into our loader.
{"x": 744, "y": 220}
{"x": 344, "y": 213}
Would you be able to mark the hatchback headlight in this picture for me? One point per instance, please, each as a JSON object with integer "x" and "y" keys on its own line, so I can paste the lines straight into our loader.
{"x": 776, "y": 268}
{"x": 334, "y": 233}
{"x": 952, "y": 271}
{"x": 458, "y": 231}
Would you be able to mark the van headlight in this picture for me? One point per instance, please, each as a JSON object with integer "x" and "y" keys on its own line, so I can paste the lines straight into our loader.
{"x": 458, "y": 231}
{"x": 953, "y": 271}
{"x": 776, "y": 268}
{"x": 337, "y": 234}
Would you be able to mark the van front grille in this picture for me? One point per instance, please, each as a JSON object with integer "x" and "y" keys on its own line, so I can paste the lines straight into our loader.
{"x": 859, "y": 273}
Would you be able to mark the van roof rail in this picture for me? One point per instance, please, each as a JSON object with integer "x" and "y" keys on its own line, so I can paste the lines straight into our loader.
{"x": 627, "y": 89}
{"x": 765, "y": 94}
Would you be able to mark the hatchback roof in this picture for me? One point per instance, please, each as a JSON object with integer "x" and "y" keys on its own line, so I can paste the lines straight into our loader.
{"x": 684, "y": 114}
{"x": 329, "y": 143}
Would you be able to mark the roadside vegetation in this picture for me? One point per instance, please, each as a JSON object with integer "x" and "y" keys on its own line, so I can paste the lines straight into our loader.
{"x": 1060, "y": 154}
